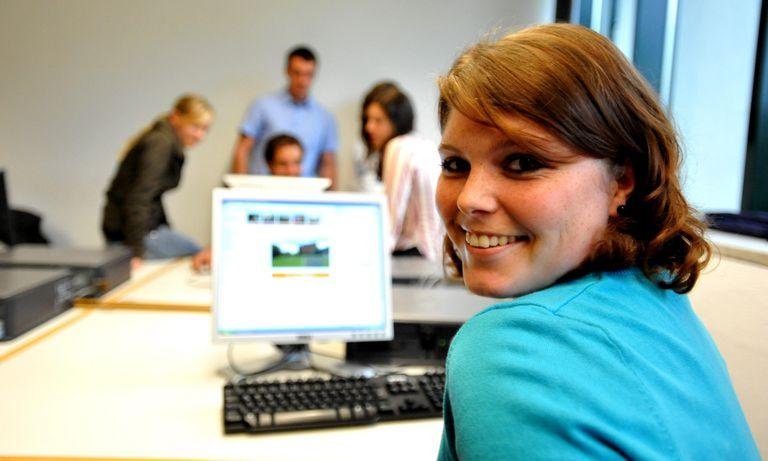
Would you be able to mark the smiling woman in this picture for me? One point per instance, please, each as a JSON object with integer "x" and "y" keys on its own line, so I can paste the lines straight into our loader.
{"x": 559, "y": 189}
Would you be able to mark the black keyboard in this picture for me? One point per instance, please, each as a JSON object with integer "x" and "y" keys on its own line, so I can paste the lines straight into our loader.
{"x": 258, "y": 405}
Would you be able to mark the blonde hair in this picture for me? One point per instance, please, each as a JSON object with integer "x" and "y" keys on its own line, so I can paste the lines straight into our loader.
{"x": 193, "y": 108}
{"x": 577, "y": 85}
{"x": 189, "y": 107}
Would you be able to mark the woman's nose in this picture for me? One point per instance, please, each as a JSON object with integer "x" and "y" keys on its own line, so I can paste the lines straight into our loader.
{"x": 477, "y": 195}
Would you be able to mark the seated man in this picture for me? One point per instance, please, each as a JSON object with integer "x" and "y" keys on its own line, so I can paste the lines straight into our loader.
{"x": 283, "y": 154}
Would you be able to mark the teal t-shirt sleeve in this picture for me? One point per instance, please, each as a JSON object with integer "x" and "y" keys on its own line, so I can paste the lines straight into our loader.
{"x": 540, "y": 386}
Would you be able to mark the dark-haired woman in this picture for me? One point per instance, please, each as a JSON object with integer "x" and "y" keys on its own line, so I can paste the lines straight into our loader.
{"x": 408, "y": 167}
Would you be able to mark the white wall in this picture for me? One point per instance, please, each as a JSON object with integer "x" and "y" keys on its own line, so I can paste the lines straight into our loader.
{"x": 79, "y": 77}
{"x": 711, "y": 96}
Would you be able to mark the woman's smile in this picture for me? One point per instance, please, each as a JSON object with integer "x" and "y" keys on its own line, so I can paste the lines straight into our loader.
{"x": 484, "y": 240}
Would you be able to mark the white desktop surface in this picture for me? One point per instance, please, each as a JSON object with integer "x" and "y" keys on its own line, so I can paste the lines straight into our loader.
{"x": 39, "y": 333}
{"x": 730, "y": 298}
{"x": 150, "y": 266}
{"x": 143, "y": 384}
{"x": 170, "y": 284}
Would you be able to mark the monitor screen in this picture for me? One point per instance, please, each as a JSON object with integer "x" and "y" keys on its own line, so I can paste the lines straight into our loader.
{"x": 291, "y": 268}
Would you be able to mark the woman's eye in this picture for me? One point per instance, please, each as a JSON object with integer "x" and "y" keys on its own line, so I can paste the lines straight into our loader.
{"x": 522, "y": 164}
{"x": 454, "y": 165}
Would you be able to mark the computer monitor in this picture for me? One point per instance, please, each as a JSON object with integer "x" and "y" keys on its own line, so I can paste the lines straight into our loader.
{"x": 7, "y": 231}
{"x": 291, "y": 268}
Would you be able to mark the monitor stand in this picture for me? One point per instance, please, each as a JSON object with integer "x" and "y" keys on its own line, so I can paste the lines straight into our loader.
{"x": 298, "y": 357}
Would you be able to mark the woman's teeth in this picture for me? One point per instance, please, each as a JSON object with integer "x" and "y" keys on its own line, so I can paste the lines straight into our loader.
{"x": 484, "y": 241}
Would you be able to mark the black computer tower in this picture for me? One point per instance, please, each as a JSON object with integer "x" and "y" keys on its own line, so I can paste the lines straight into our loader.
{"x": 94, "y": 271}
{"x": 413, "y": 344}
{"x": 29, "y": 297}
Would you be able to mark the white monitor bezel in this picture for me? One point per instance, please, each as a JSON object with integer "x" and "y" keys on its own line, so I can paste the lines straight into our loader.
{"x": 221, "y": 194}
{"x": 294, "y": 183}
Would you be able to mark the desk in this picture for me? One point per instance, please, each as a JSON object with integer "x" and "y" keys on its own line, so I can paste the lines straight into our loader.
{"x": 39, "y": 333}
{"x": 108, "y": 362}
{"x": 143, "y": 384}
{"x": 164, "y": 284}
{"x": 174, "y": 285}
{"x": 730, "y": 299}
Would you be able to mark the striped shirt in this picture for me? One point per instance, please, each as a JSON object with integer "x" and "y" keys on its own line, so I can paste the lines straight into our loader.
{"x": 410, "y": 171}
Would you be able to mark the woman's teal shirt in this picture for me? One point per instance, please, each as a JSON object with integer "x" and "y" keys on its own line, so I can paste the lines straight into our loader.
{"x": 607, "y": 366}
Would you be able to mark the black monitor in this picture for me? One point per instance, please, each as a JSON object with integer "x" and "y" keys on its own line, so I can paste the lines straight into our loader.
{"x": 7, "y": 232}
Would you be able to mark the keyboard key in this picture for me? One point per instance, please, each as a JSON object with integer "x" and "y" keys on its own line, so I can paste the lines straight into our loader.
{"x": 290, "y": 418}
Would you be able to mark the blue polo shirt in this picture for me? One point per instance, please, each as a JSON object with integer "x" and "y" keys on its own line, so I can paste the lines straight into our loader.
{"x": 278, "y": 113}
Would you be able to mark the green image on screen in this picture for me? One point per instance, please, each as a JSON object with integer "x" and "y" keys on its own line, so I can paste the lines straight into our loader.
{"x": 300, "y": 254}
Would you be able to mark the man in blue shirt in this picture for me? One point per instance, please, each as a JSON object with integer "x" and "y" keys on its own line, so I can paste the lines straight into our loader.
{"x": 291, "y": 111}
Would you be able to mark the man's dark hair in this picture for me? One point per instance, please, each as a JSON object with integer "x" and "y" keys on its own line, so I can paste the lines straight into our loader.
{"x": 302, "y": 52}
{"x": 277, "y": 142}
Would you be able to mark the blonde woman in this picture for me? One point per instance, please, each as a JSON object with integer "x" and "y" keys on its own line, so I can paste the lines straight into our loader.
{"x": 152, "y": 165}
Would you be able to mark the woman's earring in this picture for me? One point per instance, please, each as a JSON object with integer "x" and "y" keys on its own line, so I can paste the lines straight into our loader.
{"x": 621, "y": 210}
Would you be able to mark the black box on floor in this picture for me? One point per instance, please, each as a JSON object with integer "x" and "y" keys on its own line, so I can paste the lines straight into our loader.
{"x": 29, "y": 297}
{"x": 413, "y": 344}
{"x": 94, "y": 271}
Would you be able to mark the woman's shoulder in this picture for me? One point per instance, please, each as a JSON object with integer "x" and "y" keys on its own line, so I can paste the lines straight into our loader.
{"x": 578, "y": 323}
{"x": 159, "y": 129}
{"x": 589, "y": 299}
{"x": 602, "y": 338}
{"x": 160, "y": 136}
{"x": 613, "y": 313}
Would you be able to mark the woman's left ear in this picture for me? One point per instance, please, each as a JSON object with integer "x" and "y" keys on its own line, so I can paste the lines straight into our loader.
{"x": 625, "y": 184}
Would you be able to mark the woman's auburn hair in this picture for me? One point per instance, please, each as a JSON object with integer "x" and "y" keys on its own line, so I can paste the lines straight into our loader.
{"x": 577, "y": 85}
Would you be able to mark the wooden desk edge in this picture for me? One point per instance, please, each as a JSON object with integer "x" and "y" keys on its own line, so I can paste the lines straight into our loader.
{"x": 36, "y": 338}
{"x": 152, "y": 306}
